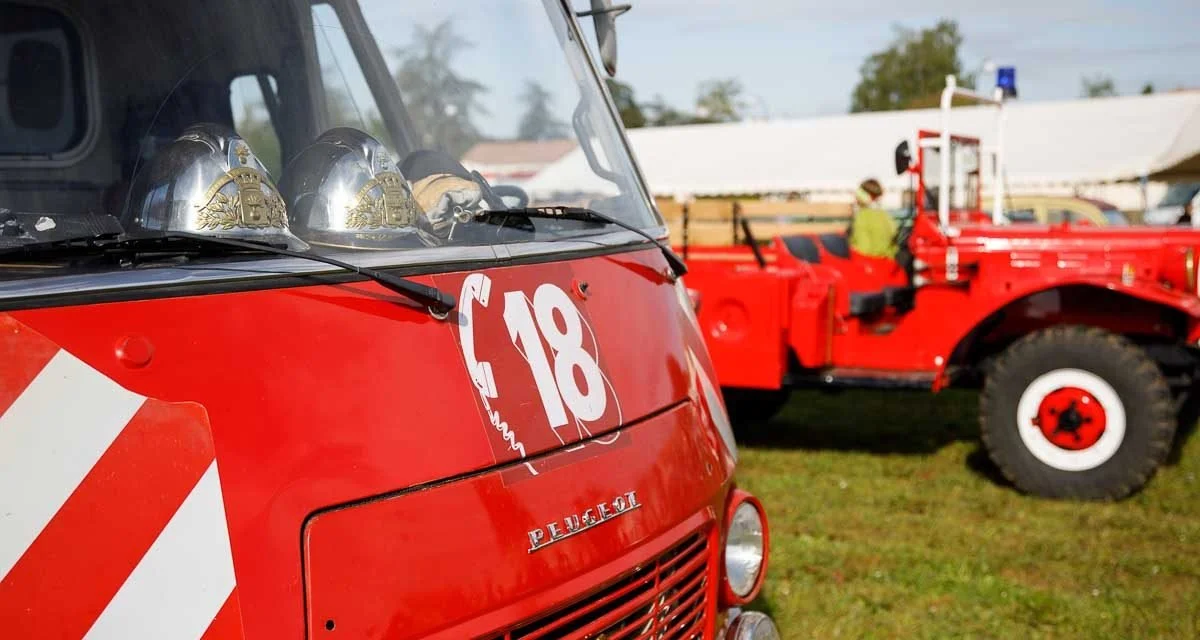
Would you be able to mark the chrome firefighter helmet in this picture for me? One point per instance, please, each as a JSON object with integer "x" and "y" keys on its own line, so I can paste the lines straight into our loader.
{"x": 209, "y": 182}
{"x": 344, "y": 190}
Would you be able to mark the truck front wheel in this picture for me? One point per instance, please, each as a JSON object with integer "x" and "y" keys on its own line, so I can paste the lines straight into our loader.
{"x": 1076, "y": 412}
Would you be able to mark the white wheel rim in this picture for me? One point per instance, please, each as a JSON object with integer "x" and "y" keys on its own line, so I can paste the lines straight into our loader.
{"x": 1053, "y": 455}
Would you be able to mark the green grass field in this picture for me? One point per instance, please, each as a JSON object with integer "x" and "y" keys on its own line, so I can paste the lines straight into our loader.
{"x": 888, "y": 520}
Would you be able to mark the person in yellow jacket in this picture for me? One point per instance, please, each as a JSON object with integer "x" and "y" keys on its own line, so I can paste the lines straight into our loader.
{"x": 872, "y": 231}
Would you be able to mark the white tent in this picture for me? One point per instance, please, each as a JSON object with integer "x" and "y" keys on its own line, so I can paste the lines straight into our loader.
{"x": 1049, "y": 145}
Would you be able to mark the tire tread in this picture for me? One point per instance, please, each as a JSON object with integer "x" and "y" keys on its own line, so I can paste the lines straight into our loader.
{"x": 1129, "y": 357}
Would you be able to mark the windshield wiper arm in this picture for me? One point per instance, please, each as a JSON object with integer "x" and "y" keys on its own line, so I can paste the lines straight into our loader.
{"x": 435, "y": 298}
{"x": 678, "y": 267}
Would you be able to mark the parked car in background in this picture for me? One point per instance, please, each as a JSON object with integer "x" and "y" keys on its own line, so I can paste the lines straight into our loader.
{"x": 1059, "y": 209}
{"x": 1169, "y": 209}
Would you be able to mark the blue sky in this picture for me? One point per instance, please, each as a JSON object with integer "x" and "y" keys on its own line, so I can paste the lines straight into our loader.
{"x": 801, "y": 57}
{"x": 795, "y": 58}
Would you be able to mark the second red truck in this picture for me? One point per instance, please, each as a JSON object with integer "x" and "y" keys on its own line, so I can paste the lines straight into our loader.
{"x": 1080, "y": 338}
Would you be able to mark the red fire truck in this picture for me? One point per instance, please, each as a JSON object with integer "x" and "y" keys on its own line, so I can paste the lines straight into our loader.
{"x": 1082, "y": 339}
{"x": 276, "y": 365}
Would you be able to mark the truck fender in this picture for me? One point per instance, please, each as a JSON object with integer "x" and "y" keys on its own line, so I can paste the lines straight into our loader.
{"x": 1186, "y": 304}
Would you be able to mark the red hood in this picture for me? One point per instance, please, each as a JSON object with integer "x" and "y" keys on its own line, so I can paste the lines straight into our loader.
{"x": 326, "y": 395}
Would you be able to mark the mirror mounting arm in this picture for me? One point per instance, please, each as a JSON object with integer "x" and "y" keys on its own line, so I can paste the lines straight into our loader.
{"x": 615, "y": 10}
{"x": 604, "y": 13}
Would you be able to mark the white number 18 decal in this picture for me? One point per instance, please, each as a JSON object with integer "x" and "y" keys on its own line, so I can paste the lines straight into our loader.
{"x": 556, "y": 382}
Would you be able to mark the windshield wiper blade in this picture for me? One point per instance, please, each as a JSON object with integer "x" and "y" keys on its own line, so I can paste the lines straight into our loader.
{"x": 433, "y": 297}
{"x": 581, "y": 214}
{"x": 22, "y": 229}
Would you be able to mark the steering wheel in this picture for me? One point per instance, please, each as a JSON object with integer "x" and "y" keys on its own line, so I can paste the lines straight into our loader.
{"x": 511, "y": 192}
{"x": 904, "y": 255}
{"x": 904, "y": 228}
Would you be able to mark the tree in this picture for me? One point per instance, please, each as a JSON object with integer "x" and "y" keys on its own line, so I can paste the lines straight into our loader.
{"x": 627, "y": 106}
{"x": 343, "y": 111}
{"x": 716, "y": 101}
{"x": 440, "y": 102}
{"x": 1098, "y": 86}
{"x": 254, "y": 125}
{"x": 1147, "y": 89}
{"x": 660, "y": 114}
{"x": 911, "y": 69}
{"x": 720, "y": 100}
{"x": 539, "y": 122}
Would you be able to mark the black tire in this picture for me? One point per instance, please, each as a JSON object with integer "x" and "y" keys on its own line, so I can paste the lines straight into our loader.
{"x": 1140, "y": 388}
{"x": 754, "y": 406}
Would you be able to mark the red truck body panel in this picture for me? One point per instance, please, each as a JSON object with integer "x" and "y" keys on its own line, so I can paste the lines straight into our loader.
{"x": 365, "y": 484}
{"x": 1043, "y": 275}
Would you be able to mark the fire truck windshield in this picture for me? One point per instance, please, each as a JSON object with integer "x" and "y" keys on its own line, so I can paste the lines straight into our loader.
{"x": 343, "y": 127}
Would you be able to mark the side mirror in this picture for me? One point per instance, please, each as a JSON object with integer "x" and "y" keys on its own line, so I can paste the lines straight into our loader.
{"x": 604, "y": 13}
{"x": 903, "y": 158}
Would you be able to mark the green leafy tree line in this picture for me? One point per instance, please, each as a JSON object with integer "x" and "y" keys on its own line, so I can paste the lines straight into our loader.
{"x": 718, "y": 100}
{"x": 911, "y": 71}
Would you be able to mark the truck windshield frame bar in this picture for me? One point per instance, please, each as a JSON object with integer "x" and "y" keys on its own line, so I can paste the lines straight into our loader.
{"x": 996, "y": 99}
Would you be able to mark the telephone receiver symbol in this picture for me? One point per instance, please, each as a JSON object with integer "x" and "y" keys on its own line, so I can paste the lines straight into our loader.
{"x": 476, "y": 287}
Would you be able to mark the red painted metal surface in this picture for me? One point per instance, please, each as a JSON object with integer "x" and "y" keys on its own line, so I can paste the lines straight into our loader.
{"x": 365, "y": 475}
{"x": 126, "y": 492}
{"x": 490, "y": 529}
{"x": 1071, "y": 418}
{"x": 1040, "y": 276}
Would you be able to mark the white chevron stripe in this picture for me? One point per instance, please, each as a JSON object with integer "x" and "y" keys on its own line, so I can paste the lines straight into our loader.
{"x": 182, "y": 581}
{"x": 50, "y": 438}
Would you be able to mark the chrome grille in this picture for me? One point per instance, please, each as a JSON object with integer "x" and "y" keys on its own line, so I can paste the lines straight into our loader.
{"x": 664, "y": 598}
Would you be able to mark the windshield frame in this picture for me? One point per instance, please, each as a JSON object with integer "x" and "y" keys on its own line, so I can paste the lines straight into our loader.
{"x": 928, "y": 175}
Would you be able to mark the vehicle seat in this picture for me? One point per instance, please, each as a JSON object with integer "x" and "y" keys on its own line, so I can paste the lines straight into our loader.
{"x": 803, "y": 248}
{"x": 836, "y": 244}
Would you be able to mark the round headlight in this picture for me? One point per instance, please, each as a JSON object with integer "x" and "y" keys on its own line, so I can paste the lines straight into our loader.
{"x": 752, "y": 625}
{"x": 745, "y": 549}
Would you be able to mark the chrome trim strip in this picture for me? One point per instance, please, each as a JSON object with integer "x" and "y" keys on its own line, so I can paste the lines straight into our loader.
{"x": 440, "y": 260}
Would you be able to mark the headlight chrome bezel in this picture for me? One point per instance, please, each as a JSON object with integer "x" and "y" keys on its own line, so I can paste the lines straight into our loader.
{"x": 752, "y": 625}
{"x": 745, "y": 512}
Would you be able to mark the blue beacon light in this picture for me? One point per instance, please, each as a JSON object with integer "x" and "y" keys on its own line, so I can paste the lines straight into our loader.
{"x": 1006, "y": 80}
